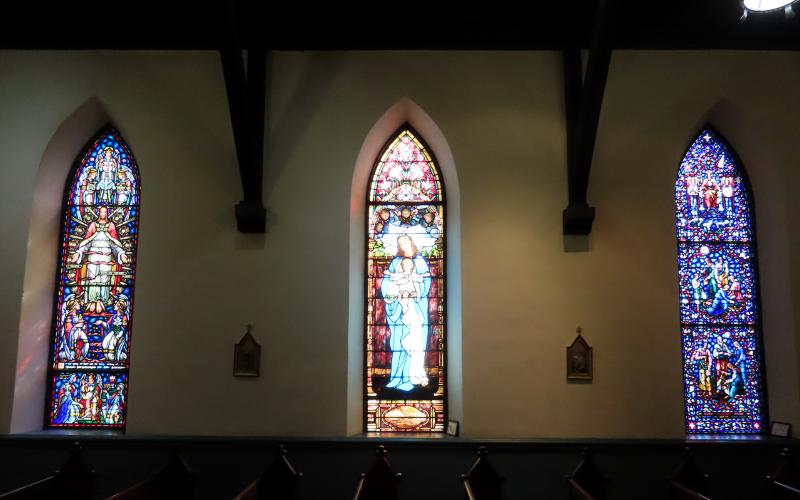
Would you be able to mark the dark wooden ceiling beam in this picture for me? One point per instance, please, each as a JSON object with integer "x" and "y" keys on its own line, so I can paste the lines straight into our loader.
{"x": 246, "y": 88}
{"x": 583, "y": 98}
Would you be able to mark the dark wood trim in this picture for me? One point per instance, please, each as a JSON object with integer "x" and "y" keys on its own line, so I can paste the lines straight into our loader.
{"x": 246, "y": 89}
{"x": 583, "y": 98}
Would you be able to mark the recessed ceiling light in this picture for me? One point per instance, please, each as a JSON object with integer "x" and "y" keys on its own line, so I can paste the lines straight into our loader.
{"x": 766, "y": 5}
{"x": 761, "y": 6}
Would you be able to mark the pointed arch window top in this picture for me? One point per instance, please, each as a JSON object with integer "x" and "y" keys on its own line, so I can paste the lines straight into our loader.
{"x": 713, "y": 200}
{"x": 406, "y": 173}
{"x": 93, "y": 317}
{"x": 107, "y": 174}
{"x": 405, "y": 300}
{"x": 723, "y": 376}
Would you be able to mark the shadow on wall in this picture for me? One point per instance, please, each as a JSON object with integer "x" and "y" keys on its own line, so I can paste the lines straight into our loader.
{"x": 40, "y": 263}
{"x": 308, "y": 92}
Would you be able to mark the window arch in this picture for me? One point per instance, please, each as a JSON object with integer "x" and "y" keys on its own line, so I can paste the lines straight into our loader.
{"x": 719, "y": 300}
{"x": 92, "y": 322}
{"x": 405, "y": 290}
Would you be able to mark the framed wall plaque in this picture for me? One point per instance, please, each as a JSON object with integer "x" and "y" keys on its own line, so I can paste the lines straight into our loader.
{"x": 579, "y": 359}
{"x": 247, "y": 356}
{"x": 780, "y": 429}
{"x": 452, "y": 428}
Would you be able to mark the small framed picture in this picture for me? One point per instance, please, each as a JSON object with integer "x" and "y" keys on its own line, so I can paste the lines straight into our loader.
{"x": 780, "y": 429}
{"x": 452, "y": 428}
{"x": 579, "y": 360}
{"x": 247, "y": 356}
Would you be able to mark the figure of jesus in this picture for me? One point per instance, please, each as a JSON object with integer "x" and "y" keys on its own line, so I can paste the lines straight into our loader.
{"x": 710, "y": 190}
{"x": 101, "y": 255}
{"x": 727, "y": 194}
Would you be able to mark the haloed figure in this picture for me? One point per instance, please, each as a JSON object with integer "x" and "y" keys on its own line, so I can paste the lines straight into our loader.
{"x": 107, "y": 168}
{"x": 102, "y": 256}
{"x": 405, "y": 288}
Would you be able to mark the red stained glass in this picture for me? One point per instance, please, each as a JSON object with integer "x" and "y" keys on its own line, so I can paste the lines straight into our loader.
{"x": 405, "y": 291}
{"x": 92, "y": 325}
{"x": 719, "y": 308}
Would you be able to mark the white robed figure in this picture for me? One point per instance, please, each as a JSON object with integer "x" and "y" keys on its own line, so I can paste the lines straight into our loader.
{"x": 405, "y": 288}
{"x": 103, "y": 254}
{"x": 106, "y": 165}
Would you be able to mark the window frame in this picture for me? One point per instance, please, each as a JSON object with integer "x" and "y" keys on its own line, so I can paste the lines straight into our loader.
{"x": 405, "y": 127}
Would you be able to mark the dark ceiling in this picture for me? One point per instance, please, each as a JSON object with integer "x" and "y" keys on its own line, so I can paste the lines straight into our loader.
{"x": 641, "y": 24}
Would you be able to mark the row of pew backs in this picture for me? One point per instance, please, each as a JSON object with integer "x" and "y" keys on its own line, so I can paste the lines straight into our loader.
{"x": 279, "y": 481}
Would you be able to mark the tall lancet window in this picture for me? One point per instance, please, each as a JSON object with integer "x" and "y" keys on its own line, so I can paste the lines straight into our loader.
{"x": 90, "y": 347}
{"x": 719, "y": 304}
{"x": 405, "y": 324}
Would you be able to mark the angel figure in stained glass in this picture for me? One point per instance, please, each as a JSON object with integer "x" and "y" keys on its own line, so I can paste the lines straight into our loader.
{"x": 107, "y": 166}
{"x": 124, "y": 187}
{"x": 405, "y": 287}
{"x": 407, "y": 216}
{"x": 428, "y": 222}
{"x": 88, "y": 187}
{"x": 99, "y": 259}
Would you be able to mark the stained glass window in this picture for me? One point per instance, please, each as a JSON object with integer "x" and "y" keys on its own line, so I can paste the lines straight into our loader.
{"x": 719, "y": 304}
{"x": 405, "y": 323}
{"x": 90, "y": 348}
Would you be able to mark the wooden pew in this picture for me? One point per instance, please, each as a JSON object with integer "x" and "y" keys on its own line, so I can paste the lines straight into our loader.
{"x": 173, "y": 482}
{"x": 278, "y": 482}
{"x": 688, "y": 482}
{"x": 586, "y": 482}
{"x": 73, "y": 481}
{"x": 784, "y": 483}
{"x": 379, "y": 482}
{"x": 482, "y": 481}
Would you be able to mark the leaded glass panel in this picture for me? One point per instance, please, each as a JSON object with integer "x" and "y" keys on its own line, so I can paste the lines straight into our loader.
{"x": 405, "y": 291}
{"x": 718, "y": 286}
{"x": 94, "y": 297}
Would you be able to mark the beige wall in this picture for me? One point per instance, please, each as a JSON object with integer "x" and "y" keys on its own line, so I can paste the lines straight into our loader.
{"x": 501, "y": 114}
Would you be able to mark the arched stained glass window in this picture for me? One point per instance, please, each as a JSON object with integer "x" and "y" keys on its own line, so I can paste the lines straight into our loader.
{"x": 719, "y": 303}
{"x": 88, "y": 367}
{"x": 405, "y": 324}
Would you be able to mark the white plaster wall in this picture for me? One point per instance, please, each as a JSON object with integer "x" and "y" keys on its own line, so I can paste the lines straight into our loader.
{"x": 199, "y": 281}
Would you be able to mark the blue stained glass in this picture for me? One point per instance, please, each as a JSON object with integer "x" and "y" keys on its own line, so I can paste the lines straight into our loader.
{"x": 88, "y": 399}
{"x": 711, "y": 197}
{"x": 716, "y": 283}
{"x": 405, "y": 338}
{"x": 94, "y": 297}
{"x": 722, "y": 379}
{"x": 720, "y": 322}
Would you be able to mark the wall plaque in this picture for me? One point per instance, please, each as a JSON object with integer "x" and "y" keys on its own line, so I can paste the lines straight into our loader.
{"x": 579, "y": 359}
{"x": 247, "y": 356}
